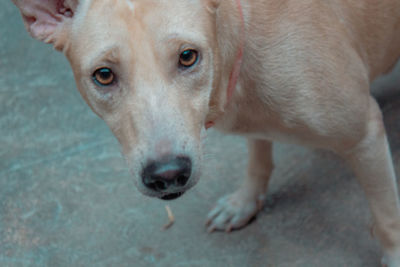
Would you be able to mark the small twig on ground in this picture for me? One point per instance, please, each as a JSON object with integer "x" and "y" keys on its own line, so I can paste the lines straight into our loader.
{"x": 171, "y": 218}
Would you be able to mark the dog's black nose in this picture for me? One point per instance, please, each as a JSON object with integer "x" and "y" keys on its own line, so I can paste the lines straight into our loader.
{"x": 166, "y": 175}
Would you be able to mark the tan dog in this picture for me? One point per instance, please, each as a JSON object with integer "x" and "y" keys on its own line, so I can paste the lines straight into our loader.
{"x": 161, "y": 71}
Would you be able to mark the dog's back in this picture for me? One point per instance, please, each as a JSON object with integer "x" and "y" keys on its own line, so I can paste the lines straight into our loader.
{"x": 371, "y": 27}
{"x": 374, "y": 28}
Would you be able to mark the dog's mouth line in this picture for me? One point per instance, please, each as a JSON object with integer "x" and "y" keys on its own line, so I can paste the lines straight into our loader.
{"x": 172, "y": 196}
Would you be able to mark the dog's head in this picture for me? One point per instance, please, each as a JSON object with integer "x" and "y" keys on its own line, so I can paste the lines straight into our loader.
{"x": 149, "y": 69}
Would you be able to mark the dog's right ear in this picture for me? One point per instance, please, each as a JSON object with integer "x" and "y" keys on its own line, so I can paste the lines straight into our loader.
{"x": 48, "y": 20}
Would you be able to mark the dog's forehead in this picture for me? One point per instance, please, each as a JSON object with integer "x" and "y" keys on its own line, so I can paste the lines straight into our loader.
{"x": 130, "y": 24}
{"x": 123, "y": 19}
{"x": 153, "y": 14}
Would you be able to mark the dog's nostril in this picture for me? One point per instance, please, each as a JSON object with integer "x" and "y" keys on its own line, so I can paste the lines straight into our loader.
{"x": 160, "y": 185}
{"x": 156, "y": 185}
{"x": 182, "y": 180}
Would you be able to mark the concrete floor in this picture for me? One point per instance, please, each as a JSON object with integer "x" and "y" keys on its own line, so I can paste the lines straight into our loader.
{"x": 66, "y": 197}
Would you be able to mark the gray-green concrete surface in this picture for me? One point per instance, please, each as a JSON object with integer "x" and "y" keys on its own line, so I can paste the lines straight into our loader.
{"x": 67, "y": 198}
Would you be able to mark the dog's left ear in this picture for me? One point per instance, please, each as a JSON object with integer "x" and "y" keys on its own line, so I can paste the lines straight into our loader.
{"x": 48, "y": 20}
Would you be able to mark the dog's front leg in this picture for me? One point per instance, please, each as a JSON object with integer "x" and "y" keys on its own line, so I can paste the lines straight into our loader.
{"x": 372, "y": 163}
{"x": 235, "y": 210}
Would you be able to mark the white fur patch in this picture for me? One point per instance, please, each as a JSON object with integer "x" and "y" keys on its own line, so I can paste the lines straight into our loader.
{"x": 130, "y": 5}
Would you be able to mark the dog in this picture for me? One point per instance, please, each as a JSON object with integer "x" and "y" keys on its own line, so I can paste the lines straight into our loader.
{"x": 161, "y": 72}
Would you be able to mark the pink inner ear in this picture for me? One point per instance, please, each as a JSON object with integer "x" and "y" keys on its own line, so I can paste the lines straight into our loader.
{"x": 44, "y": 17}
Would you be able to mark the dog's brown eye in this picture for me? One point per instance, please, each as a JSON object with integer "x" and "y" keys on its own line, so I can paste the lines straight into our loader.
{"x": 188, "y": 58}
{"x": 104, "y": 76}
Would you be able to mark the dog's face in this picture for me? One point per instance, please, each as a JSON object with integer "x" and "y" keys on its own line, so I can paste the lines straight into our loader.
{"x": 147, "y": 67}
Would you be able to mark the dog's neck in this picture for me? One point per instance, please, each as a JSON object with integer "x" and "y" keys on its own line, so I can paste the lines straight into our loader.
{"x": 223, "y": 94}
{"x": 238, "y": 63}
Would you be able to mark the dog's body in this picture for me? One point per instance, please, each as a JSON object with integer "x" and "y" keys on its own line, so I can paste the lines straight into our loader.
{"x": 305, "y": 70}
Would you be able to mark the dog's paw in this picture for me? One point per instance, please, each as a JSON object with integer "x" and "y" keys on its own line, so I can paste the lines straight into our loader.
{"x": 233, "y": 211}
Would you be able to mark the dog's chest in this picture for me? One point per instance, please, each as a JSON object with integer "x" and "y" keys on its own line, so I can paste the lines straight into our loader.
{"x": 253, "y": 117}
